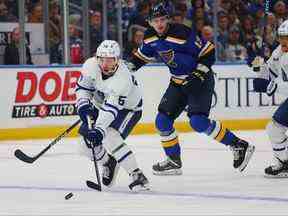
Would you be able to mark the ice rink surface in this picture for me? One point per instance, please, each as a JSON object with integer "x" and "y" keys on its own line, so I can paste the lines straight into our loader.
{"x": 208, "y": 186}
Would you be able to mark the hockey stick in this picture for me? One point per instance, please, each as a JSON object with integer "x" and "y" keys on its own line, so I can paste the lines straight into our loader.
{"x": 90, "y": 184}
{"x": 23, "y": 157}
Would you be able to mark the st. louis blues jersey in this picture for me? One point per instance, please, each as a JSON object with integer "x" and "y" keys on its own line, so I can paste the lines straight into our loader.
{"x": 180, "y": 49}
{"x": 276, "y": 69}
{"x": 111, "y": 94}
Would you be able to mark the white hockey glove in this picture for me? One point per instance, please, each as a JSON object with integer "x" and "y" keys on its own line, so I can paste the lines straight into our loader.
{"x": 271, "y": 88}
{"x": 257, "y": 64}
{"x": 130, "y": 66}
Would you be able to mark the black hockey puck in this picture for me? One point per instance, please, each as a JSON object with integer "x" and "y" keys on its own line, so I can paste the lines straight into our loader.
{"x": 68, "y": 196}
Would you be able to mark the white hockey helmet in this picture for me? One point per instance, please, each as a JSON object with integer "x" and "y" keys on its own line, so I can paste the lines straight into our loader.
{"x": 283, "y": 29}
{"x": 108, "y": 48}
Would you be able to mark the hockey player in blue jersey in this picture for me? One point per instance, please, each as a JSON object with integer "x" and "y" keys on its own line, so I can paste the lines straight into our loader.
{"x": 189, "y": 59}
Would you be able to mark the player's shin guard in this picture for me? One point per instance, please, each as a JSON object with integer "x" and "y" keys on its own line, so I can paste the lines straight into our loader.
{"x": 242, "y": 150}
{"x": 109, "y": 164}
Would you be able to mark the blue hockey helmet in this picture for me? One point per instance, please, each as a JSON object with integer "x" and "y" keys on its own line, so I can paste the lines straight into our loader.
{"x": 157, "y": 11}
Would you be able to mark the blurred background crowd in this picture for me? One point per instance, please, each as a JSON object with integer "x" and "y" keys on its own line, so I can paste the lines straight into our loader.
{"x": 234, "y": 26}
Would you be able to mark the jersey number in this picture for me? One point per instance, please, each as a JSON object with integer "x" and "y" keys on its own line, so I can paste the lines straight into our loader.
{"x": 121, "y": 100}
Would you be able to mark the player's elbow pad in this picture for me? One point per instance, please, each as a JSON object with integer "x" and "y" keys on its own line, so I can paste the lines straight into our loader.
{"x": 260, "y": 85}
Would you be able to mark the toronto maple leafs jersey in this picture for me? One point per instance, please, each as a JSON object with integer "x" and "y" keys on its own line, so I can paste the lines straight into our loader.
{"x": 109, "y": 94}
{"x": 276, "y": 69}
{"x": 180, "y": 49}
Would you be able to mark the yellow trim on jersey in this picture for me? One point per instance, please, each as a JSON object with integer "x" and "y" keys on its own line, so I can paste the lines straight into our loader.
{"x": 175, "y": 40}
{"x": 178, "y": 80}
{"x": 141, "y": 57}
{"x": 198, "y": 44}
{"x": 206, "y": 50}
{"x": 221, "y": 134}
{"x": 150, "y": 39}
{"x": 170, "y": 143}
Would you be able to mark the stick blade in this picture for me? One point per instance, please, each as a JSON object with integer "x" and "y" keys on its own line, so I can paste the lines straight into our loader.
{"x": 93, "y": 185}
{"x": 23, "y": 157}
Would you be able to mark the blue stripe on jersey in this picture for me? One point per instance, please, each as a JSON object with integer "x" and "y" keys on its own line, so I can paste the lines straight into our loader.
{"x": 273, "y": 73}
{"x": 124, "y": 156}
{"x": 111, "y": 106}
{"x": 84, "y": 88}
{"x": 280, "y": 149}
{"x": 110, "y": 111}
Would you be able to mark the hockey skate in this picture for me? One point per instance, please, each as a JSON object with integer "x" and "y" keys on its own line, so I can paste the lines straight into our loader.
{"x": 279, "y": 170}
{"x": 168, "y": 167}
{"x": 110, "y": 171}
{"x": 139, "y": 181}
{"x": 242, "y": 152}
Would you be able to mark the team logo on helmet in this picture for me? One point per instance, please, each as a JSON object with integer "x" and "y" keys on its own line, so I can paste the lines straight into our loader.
{"x": 158, "y": 11}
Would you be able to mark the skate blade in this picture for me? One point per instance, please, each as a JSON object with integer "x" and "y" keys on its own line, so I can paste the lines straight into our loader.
{"x": 168, "y": 172}
{"x": 280, "y": 175}
{"x": 140, "y": 188}
{"x": 249, "y": 153}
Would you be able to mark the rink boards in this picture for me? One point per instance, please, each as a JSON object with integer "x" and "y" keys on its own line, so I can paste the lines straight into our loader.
{"x": 38, "y": 102}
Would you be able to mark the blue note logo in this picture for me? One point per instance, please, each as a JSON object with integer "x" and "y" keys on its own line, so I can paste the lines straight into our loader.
{"x": 168, "y": 57}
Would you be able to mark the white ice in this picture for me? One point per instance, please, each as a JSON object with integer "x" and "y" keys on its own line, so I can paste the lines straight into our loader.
{"x": 209, "y": 185}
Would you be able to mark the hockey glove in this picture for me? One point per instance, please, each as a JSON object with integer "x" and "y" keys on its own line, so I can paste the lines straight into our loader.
{"x": 194, "y": 82}
{"x": 95, "y": 136}
{"x": 271, "y": 88}
{"x": 85, "y": 108}
{"x": 260, "y": 85}
{"x": 257, "y": 63}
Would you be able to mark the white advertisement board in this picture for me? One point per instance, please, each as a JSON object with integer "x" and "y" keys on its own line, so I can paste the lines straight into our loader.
{"x": 33, "y": 97}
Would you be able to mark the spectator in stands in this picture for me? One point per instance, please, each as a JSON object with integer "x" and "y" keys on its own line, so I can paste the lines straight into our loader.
{"x": 134, "y": 42}
{"x": 142, "y": 14}
{"x": 55, "y": 33}
{"x": 280, "y": 11}
{"x": 235, "y": 51}
{"x": 76, "y": 44}
{"x": 5, "y": 16}
{"x": 128, "y": 10}
{"x": 223, "y": 28}
{"x": 177, "y": 17}
{"x": 199, "y": 24}
{"x": 95, "y": 5}
{"x": 233, "y": 18}
{"x": 182, "y": 7}
{"x": 11, "y": 53}
{"x": 96, "y": 31}
{"x": 225, "y": 6}
{"x": 36, "y": 15}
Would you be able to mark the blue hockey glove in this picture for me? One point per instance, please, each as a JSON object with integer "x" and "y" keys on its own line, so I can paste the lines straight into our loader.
{"x": 194, "y": 82}
{"x": 271, "y": 88}
{"x": 260, "y": 84}
{"x": 95, "y": 136}
{"x": 85, "y": 109}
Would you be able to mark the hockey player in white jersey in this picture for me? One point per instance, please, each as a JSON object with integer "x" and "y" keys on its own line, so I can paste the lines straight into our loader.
{"x": 273, "y": 77}
{"x": 109, "y": 94}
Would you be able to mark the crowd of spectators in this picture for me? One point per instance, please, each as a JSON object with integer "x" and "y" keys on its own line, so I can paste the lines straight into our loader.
{"x": 237, "y": 34}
